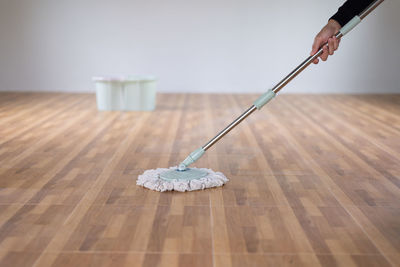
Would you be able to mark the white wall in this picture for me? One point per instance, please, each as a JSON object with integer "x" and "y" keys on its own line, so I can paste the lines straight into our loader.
{"x": 192, "y": 46}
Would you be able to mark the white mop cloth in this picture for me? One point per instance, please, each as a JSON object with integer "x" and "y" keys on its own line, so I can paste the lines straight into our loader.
{"x": 151, "y": 180}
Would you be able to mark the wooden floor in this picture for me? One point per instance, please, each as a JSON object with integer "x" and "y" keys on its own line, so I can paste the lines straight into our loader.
{"x": 314, "y": 181}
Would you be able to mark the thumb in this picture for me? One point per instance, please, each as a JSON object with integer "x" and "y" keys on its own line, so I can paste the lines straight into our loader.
{"x": 315, "y": 46}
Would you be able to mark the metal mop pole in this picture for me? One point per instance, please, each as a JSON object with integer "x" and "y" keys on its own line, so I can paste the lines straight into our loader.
{"x": 266, "y": 97}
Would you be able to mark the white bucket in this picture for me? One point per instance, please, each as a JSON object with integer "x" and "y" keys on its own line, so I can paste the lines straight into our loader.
{"x": 125, "y": 93}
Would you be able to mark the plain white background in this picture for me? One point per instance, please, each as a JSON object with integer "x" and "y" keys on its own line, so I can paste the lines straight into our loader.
{"x": 192, "y": 46}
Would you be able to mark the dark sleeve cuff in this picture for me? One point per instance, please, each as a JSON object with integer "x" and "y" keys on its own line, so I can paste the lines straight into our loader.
{"x": 342, "y": 17}
{"x": 350, "y": 9}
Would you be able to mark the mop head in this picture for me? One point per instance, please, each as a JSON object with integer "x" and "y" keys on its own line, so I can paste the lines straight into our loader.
{"x": 164, "y": 179}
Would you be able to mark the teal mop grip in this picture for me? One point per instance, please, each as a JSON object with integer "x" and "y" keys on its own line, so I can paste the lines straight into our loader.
{"x": 194, "y": 156}
{"x": 264, "y": 99}
{"x": 350, "y": 25}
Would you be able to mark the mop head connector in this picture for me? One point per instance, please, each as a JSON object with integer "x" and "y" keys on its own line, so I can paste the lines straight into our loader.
{"x": 193, "y": 157}
{"x": 190, "y": 179}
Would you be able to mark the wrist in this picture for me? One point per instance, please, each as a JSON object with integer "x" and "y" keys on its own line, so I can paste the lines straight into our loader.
{"x": 333, "y": 23}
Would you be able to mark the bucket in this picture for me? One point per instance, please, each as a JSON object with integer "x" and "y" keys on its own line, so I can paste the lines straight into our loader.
{"x": 125, "y": 92}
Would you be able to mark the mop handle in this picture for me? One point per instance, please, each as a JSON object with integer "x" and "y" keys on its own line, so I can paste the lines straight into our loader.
{"x": 267, "y": 96}
{"x": 259, "y": 103}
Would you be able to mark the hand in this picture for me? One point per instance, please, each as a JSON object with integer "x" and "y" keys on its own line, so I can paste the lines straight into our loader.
{"x": 326, "y": 35}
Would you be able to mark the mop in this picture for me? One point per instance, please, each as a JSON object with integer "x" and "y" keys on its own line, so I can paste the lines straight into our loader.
{"x": 182, "y": 178}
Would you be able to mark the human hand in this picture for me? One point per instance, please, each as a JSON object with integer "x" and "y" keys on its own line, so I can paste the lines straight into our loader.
{"x": 327, "y": 34}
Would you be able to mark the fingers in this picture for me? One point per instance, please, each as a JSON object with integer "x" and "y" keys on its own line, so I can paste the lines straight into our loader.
{"x": 317, "y": 43}
{"x": 328, "y": 50}
{"x": 331, "y": 47}
{"x": 325, "y": 53}
{"x": 335, "y": 43}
